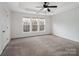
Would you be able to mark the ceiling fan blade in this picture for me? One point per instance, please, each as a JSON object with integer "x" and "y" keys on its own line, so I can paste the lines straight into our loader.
{"x": 51, "y": 6}
{"x": 46, "y": 3}
{"x": 48, "y": 10}
{"x": 39, "y": 6}
{"x": 40, "y": 10}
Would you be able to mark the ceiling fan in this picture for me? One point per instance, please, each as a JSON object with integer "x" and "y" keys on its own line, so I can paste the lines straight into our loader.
{"x": 47, "y": 6}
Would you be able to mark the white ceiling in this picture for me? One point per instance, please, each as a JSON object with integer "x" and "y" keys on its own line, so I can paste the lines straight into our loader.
{"x": 31, "y": 7}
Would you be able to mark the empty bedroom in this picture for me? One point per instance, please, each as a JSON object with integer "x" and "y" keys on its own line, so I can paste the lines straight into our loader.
{"x": 39, "y": 28}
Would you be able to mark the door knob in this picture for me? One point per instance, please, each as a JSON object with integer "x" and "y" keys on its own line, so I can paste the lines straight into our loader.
{"x": 3, "y": 31}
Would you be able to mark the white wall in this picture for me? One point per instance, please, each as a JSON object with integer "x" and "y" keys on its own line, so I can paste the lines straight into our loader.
{"x": 66, "y": 24}
{"x": 16, "y": 25}
{"x": 4, "y": 26}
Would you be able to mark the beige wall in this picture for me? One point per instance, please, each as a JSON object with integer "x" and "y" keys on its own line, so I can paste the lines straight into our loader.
{"x": 66, "y": 24}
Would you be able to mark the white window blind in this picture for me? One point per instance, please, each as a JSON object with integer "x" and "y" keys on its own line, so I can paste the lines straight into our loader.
{"x": 41, "y": 24}
{"x": 34, "y": 24}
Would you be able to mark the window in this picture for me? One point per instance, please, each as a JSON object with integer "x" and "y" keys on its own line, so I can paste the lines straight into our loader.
{"x": 33, "y": 24}
{"x": 26, "y": 25}
{"x": 41, "y": 24}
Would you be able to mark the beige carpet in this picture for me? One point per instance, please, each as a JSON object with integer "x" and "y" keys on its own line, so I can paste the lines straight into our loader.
{"x": 46, "y": 45}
